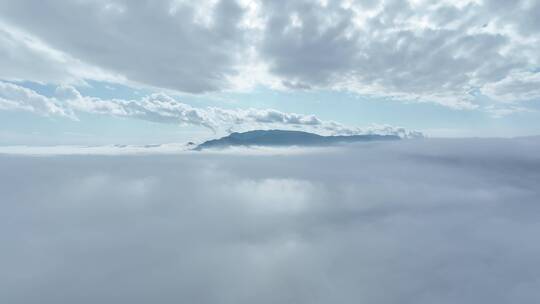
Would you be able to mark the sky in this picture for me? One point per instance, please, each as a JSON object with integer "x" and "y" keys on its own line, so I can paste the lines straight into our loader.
{"x": 413, "y": 221}
{"x": 141, "y": 72}
{"x": 103, "y": 200}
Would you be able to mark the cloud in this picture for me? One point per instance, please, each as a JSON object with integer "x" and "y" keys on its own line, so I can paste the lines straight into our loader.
{"x": 168, "y": 44}
{"x": 14, "y": 97}
{"x": 416, "y": 50}
{"x": 25, "y": 57}
{"x": 524, "y": 86}
{"x": 162, "y": 108}
{"x": 422, "y": 221}
{"x": 427, "y": 51}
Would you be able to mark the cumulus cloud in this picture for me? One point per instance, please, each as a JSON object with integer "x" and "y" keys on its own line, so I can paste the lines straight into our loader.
{"x": 434, "y": 51}
{"x": 162, "y": 108}
{"x": 14, "y": 97}
{"x": 428, "y": 221}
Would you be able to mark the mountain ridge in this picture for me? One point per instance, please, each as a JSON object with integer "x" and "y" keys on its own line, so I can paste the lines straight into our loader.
{"x": 288, "y": 138}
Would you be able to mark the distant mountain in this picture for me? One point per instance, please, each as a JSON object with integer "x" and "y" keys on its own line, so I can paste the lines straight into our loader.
{"x": 287, "y": 138}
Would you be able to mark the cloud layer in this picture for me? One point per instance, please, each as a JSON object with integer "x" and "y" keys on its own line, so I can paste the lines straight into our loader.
{"x": 437, "y": 51}
{"x": 429, "y": 221}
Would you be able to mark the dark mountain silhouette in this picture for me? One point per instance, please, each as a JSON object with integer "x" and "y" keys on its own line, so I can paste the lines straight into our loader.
{"x": 287, "y": 138}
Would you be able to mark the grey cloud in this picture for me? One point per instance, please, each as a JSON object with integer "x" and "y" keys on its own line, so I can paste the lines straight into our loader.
{"x": 295, "y": 85}
{"x": 430, "y": 52}
{"x": 523, "y": 86}
{"x": 314, "y": 50}
{"x": 428, "y": 221}
{"x": 25, "y": 57}
{"x": 159, "y": 43}
{"x": 18, "y": 60}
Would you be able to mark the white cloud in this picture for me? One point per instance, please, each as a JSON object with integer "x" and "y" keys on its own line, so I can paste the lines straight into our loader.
{"x": 428, "y": 221}
{"x": 272, "y": 195}
{"x": 505, "y": 110}
{"x": 14, "y": 97}
{"x": 162, "y": 108}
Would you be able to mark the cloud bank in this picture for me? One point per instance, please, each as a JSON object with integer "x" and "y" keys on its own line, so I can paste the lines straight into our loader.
{"x": 162, "y": 108}
{"x": 428, "y": 221}
{"x": 437, "y": 51}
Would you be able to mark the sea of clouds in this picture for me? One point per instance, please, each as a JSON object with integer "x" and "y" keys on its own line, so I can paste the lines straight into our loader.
{"x": 415, "y": 221}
